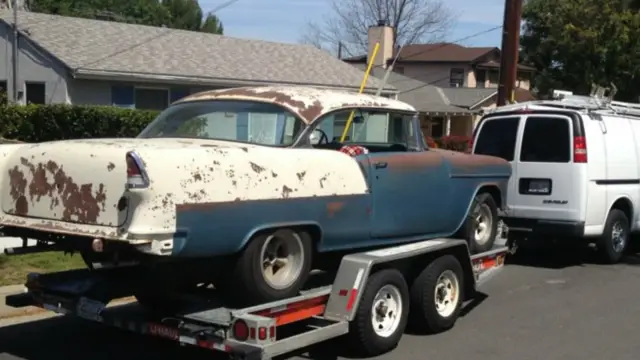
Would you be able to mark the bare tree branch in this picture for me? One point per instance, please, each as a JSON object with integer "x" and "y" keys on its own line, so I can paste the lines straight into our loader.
{"x": 414, "y": 21}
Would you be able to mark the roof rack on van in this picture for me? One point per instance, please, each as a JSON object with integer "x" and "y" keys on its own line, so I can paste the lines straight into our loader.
{"x": 597, "y": 101}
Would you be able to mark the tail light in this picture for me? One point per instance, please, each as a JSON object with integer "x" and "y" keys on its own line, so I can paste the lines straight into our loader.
{"x": 240, "y": 330}
{"x": 579, "y": 149}
{"x": 136, "y": 176}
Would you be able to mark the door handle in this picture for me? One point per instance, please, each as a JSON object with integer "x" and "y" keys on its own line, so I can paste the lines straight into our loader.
{"x": 380, "y": 165}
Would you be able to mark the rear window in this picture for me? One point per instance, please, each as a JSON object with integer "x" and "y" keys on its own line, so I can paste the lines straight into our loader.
{"x": 497, "y": 137}
{"x": 546, "y": 139}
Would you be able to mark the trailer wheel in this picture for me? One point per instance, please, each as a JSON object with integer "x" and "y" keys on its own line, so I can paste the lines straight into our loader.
{"x": 436, "y": 295}
{"x": 382, "y": 314}
{"x": 272, "y": 267}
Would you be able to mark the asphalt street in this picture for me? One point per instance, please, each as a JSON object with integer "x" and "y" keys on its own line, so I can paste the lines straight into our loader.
{"x": 541, "y": 307}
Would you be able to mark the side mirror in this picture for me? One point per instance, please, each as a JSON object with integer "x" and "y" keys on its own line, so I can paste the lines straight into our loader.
{"x": 315, "y": 137}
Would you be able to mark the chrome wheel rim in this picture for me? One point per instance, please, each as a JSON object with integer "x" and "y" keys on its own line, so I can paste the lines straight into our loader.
{"x": 282, "y": 260}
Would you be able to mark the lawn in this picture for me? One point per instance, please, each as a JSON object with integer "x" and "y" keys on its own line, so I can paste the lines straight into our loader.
{"x": 14, "y": 269}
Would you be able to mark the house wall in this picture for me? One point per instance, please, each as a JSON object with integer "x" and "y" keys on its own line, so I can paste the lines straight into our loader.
{"x": 34, "y": 65}
{"x": 436, "y": 74}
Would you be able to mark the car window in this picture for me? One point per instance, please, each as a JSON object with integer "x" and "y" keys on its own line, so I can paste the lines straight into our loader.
{"x": 497, "y": 137}
{"x": 242, "y": 121}
{"x": 546, "y": 139}
{"x": 370, "y": 126}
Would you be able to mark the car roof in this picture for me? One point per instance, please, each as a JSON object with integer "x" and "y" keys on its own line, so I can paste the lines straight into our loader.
{"x": 308, "y": 103}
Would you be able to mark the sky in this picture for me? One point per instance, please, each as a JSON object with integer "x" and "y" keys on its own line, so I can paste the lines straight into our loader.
{"x": 285, "y": 20}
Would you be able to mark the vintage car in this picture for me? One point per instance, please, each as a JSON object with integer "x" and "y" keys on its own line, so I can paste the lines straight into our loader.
{"x": 249, "y": 189}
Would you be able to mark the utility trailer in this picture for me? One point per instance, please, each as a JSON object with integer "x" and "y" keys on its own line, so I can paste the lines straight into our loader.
{"x": 368, "y": 299}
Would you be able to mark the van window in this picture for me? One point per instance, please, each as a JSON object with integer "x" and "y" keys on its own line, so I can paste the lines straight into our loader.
{"x": 497, "y": 137}
{"x": 546, "y": 139}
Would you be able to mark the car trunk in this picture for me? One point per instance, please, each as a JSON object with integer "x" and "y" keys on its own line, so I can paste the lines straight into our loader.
{"x": 78, "y": 181}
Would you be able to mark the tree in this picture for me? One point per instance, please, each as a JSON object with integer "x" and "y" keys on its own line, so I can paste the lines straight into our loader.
{"x": 576, "y": 43}
{"x": 414, "y": 21}
{"x": 176, "y": 14}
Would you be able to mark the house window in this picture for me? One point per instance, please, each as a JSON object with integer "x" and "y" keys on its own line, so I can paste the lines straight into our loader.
{"x": 456, "y": 77}
{"x": 35, "y": 93}
{"x": 435, "y": 127}
{"x": 494, "y": 77}
{"x": 4, "y": 97}
{"x": 151, "y": 99}
{"x": 146, "y": 98}
{"x": 481, "y": 76}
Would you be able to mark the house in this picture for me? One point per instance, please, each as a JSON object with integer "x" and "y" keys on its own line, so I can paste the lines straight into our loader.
{"x": 81, "y": 61}
{"x": 450, "y": 84}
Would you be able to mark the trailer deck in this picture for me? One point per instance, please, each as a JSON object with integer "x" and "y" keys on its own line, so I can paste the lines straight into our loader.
{"x": 258, "y": 332}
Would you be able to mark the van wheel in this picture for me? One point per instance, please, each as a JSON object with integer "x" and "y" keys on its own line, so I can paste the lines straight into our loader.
{"x": 480, "y": 229}
{"x": 613, "y": 242}
{"x": 274, "y": 266}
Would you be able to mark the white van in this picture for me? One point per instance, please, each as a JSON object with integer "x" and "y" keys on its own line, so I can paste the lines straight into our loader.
{"x": 575, "y": 168}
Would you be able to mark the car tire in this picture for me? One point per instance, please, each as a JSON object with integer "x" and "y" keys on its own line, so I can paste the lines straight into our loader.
{"x": 615, "y": 238}
{"x": 437, "y": 295}
{"x": 289, "y": 254}
{"x": 483, "y": 206}
{"x": 372, "y": 337}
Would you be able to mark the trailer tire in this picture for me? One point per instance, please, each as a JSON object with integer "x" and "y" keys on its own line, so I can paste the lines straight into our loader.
{"x": 251, "y": 285}
{"x": 442, "y": 278}
{"x": 385, "y": 288}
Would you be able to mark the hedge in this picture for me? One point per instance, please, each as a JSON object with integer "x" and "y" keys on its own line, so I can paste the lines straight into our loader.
{"x": 36, "y": 123}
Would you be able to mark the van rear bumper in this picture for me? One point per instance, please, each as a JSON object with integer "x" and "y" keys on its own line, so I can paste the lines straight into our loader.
{"x": 545, "y": 227}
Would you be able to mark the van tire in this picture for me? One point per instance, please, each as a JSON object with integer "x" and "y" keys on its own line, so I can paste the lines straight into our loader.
{"x": 615, "y": 238}
{"x": 485, "y": 203}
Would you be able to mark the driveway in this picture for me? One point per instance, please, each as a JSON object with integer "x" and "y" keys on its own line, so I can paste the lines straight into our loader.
{"x": 562, "y": 307}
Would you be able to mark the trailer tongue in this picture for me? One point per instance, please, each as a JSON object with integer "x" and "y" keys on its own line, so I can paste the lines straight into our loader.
{"x": 368, "y": 298}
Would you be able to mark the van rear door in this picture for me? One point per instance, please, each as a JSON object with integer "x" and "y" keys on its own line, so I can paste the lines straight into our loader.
{"x": 498, "y": 136}
{"x": 548, "y": 173}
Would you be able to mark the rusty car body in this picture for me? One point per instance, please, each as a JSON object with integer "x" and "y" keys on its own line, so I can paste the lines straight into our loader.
{"x": 217, "y": 167}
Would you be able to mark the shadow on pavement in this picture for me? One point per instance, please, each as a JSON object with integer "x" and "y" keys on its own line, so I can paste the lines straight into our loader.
{"x": 563, "y": 254}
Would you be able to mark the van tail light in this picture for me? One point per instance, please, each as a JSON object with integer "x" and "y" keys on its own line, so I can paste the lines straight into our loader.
{"x": 136, "y": 176}
{"x": 470, "y": 145}
{"x": 579, "y": 149}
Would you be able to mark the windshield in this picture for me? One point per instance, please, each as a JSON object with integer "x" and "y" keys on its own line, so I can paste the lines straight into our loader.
{"x": 243, "y": 121}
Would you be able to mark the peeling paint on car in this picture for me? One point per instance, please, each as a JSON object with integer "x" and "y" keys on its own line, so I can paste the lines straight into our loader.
{"x": 306, "y": 102}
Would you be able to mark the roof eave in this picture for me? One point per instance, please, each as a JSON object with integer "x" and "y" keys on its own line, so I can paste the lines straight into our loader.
{"x": 483, "y": 100}
{"x": 94, "y": 74}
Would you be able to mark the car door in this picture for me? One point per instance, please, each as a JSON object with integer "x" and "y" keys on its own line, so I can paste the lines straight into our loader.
{"x": 408, "y": 188}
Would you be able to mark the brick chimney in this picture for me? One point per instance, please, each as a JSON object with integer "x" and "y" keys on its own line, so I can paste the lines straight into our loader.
{"x": 383, "y": 33}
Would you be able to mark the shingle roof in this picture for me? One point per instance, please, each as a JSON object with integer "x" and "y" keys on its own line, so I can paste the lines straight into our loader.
{"x": 103, "y": 46}
{"x": 438, "y": 52}
{"x": 429, "y": 98}
{"x": 468, "y": 97}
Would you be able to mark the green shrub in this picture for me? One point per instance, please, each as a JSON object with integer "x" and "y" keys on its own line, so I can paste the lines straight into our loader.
{"x": 35, "y": 123}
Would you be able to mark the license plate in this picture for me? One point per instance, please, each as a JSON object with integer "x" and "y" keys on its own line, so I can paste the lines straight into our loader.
{"x": 539, "y": 186}
{"x": 90, "y": 309}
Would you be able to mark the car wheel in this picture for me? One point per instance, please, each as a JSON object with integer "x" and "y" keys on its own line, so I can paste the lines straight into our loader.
{"x": 613, "y": 242}
{"x": 437, "y": 295}
{"x": 481, "y": 226}
{"x": 273, "y": 266}
{"x": 382, "y": 314}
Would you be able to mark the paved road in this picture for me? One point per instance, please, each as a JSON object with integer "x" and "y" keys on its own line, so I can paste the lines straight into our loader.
{"x": 551, "y": 309}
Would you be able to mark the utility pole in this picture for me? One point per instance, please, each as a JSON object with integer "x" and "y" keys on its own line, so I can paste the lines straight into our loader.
{"x": 509, "y": 50}
{"x": 340, "y": 50}
{"x": 14, "y": 53}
